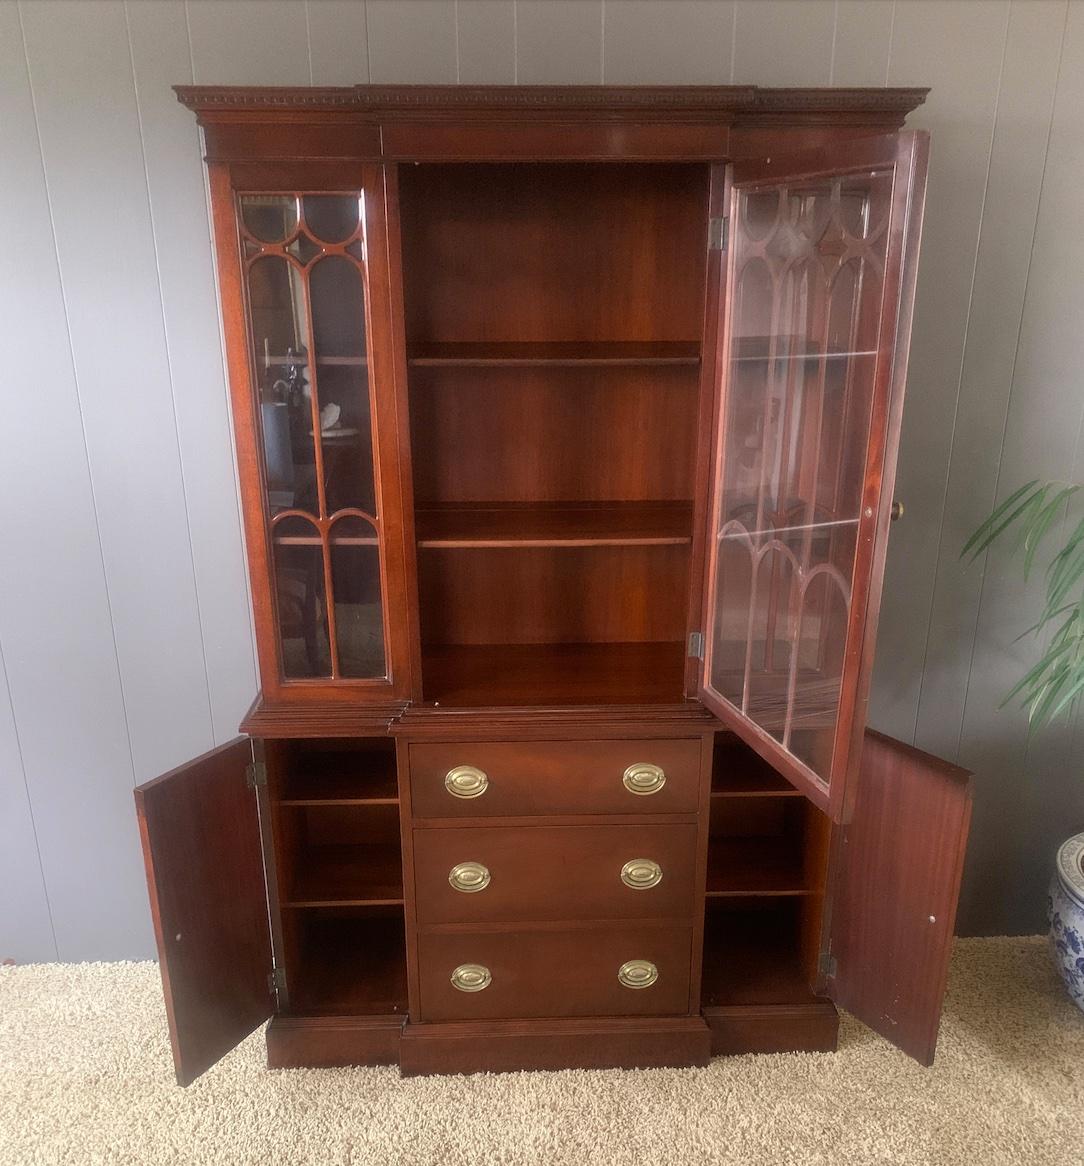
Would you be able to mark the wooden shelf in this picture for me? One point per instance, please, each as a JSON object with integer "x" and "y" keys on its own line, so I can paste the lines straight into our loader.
{"x": 553, "y": 354}
{"x": 755, "y": 866}
{"x": 350, "y": 361}
{"x": 537, "y": 524}
{"x": 314, "y": 540}
{"x": 751, "y": 958}
{"x": 360, "y": 875}
{"x": 487, "y": 675}
{"x": 349, "y": 965}
{"x": 756, "y": 349}
{"x": 738, "y": 772}
{"x": 342, "y": 778}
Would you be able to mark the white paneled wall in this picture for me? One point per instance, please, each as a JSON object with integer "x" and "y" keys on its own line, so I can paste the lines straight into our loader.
{"x": 125, "y": 635}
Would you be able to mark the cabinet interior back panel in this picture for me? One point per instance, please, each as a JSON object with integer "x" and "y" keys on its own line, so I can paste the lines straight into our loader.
{"x": 554, "y": 252}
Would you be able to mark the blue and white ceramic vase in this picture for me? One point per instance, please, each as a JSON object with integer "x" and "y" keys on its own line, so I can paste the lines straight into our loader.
{"x": 1067, "y": 917}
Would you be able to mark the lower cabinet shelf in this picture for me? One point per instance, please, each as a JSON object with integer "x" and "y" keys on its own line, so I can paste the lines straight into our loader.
{"x": 755, "y": 988}
{"x": 347, "y": 874}
{"x": 752, "y": 955}
{"x": 348, "y": 962}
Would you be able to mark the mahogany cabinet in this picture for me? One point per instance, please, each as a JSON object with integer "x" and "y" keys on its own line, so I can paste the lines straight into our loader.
{"x": 566, "y": 423}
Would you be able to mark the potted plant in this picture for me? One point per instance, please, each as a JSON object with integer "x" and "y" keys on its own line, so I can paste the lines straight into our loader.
{"x": 1054, "y": 685}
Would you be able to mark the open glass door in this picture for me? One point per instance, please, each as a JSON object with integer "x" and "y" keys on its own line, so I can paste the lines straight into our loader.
{"x": 202, "y": 850}
{"x": 812, "y": 362}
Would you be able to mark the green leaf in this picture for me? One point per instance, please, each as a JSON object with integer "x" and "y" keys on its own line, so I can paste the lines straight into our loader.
{"x": 997, "y": 522}
{"x": 1044, "y": 665}
{"x": 1069, "y": 573}
{"x": 1041, "y": 710}
{"x": 1070, "y": 696}
{"x": 1043, "y": 521}
{"x": 1073, "y": 607}
{"x": 1055, "y": 682}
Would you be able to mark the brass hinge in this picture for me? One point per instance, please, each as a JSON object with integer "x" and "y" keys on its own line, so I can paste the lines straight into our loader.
{"x": 276, "y": 981}
{"x": 696, "y": 645}
{"x": 828, "y": 965}
{"x": 255, "y": 774}
{"x": 718, "y": 234}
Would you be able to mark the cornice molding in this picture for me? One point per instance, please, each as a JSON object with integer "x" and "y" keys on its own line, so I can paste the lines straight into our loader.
{"x": 497, "y": 99}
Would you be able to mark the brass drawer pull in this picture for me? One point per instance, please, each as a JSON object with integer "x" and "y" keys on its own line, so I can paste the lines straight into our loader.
{"x": 469, "y": 877}
{"x": 641, "y": 874}
{"x": 643, "y": 778}
{"x": 466, "y": 781}
{"x": 471, "y": 977}
{"x": 638, "y": 974}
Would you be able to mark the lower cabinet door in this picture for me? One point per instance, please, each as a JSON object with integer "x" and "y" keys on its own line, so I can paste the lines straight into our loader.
{"x": 640, "y": 970}
{"x": 507, "y": 874}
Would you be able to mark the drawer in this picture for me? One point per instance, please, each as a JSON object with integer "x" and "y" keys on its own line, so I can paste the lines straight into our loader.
{"x": 511, "y": 778}
{"x": 555, "y": 973}
{"x": 509, "y": 873}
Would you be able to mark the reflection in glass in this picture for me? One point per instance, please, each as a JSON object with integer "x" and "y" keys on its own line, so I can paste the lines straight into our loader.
{"x": 347, "y": 443}
{"x": 331, "y": 218}
{"x": 734, "y": 568}
{"x": 771, "y": 634}
{"x": 821, "y": 637}
{"x": 355, "y": 584}
{"x": 338, "y": 307}
{"x": 809, "y": 270}
{"x": 279, "y": 322}
{"x": 271, "y": 218}
{"x": 303, "y": 249}
{"x": 300, "y": 598}
{"x": 760, "y": 213}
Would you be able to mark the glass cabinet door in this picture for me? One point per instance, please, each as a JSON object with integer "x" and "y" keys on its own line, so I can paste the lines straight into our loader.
{"x": 314, "y": 398}
{"x": 818, "y": 297}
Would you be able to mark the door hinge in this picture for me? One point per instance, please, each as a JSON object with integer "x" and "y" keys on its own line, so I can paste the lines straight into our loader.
{"x": 718, "y": 234}
{"x": 696, "y": 645}
{"x": 276, "y": 981}
{"x": 255, "y": 774}
{"x": 828, "y": 965}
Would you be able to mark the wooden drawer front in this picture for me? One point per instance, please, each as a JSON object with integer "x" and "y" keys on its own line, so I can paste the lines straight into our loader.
{"x": 555, "y": 973}
{"x": 554, "y": 872}
{"x": 554, "y": 777}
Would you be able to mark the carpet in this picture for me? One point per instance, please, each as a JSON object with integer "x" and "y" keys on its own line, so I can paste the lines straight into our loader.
{"x": 86, "y": 1077}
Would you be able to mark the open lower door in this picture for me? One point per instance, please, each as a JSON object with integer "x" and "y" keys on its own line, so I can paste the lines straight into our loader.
{"x": 201, "y": 846}
{"x": 893, "y": 906}
{"x": 819, "y": 286}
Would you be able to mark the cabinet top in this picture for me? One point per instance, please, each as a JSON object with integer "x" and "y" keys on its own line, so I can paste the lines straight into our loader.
{"x": 708, "y": 102}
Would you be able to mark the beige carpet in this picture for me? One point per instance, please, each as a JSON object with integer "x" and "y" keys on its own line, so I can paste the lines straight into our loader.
{"x": 86, "y": 1077}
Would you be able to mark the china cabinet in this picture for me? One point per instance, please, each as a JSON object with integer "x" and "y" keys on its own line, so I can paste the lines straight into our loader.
{"x": 566, "y": 422}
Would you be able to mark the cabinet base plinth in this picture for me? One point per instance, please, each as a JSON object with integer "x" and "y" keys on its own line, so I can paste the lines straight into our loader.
{"x": 507, "y": 1046}
{"x": 773, "y": 1028}
{"x": 326, "y": 1042}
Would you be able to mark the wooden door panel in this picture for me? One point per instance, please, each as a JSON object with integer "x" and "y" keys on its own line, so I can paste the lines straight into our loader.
{"x": 201, "y": 847}
{"x": 894, "y": 901}
{"x": 812, "y": 362}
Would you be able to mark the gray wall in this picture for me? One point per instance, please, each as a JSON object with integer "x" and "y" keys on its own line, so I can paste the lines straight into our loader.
{"x": 124, "y": 619}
